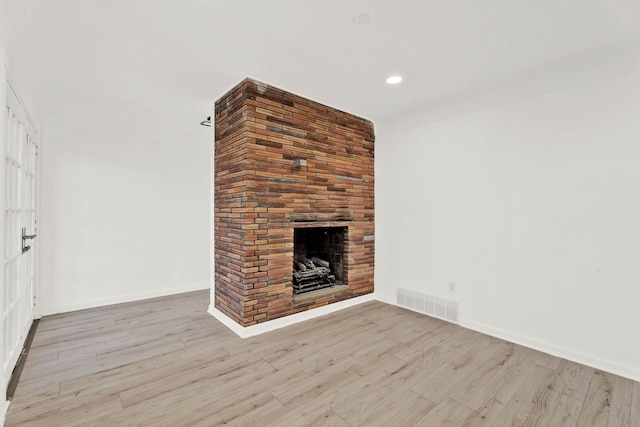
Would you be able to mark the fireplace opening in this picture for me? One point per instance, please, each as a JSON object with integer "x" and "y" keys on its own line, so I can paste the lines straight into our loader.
{"x": 318, "y": 260}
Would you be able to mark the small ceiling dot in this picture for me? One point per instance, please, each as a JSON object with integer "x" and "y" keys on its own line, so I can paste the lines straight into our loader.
{"x": 362, "y": 18}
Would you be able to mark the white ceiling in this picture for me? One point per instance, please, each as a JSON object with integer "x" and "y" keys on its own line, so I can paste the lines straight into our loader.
{"x": 88, "y": 58}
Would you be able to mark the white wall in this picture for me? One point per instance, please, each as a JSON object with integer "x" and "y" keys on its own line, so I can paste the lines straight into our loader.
{"x": 533, "y": 209}
{"x": 125, "y": 204}
{"x": 124, "y": 178}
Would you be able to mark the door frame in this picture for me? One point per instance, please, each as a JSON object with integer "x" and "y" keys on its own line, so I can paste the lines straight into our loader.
{"x": 4, "y": 404}
{"x": 7, "y": 88}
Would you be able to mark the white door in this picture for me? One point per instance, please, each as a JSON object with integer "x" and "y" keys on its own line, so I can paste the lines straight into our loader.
{"x": 17, "y": 301}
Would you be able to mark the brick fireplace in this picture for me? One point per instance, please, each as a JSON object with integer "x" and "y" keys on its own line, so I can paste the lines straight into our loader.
{"x": 294, "y": 181}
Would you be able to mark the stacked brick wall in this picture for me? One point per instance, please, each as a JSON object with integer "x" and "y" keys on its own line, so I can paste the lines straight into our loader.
{"x": 263, "y": 192}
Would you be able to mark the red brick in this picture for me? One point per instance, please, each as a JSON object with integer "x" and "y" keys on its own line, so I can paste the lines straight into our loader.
{"x": 259, "y": 195}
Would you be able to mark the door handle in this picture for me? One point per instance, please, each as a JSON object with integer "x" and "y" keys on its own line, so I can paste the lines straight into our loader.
{"x": 26, "y": 237}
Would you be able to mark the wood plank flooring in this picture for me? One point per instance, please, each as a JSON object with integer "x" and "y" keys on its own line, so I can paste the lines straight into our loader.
{"x": 166, "y": 362}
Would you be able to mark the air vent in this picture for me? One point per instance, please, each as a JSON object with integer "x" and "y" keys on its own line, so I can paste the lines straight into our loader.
{"x": 432, "y": 306}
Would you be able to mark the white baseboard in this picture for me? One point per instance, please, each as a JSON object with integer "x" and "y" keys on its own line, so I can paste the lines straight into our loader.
{"x": 385, "y": 300}
{"x": 545, "y": 347}
{"x": 281, "y": 322}
{"x": 4, "y": 407}
{"x": 555, "y": 350}
{"x": 45, "y": 311}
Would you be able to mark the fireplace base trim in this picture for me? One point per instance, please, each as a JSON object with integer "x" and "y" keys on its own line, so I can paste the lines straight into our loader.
{"x": 312, "y": 296}
{"x": 292, "y": 319}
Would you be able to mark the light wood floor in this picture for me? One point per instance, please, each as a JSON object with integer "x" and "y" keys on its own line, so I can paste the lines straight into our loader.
{"x": 166, "y": 362}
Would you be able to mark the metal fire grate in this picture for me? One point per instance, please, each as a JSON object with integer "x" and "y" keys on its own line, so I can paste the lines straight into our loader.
{"x": 312, "y": 274}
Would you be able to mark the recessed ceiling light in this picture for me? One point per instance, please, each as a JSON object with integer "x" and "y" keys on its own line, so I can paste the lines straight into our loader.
{"x": 394, "y": 80}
